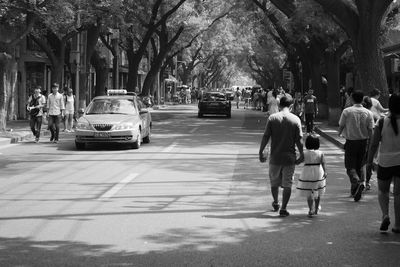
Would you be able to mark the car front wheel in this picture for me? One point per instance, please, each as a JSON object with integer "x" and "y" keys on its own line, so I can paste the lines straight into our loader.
{"x": 146, "y": 139}
{"x": 79, "y": 145}
{"x": 137, "y": 143}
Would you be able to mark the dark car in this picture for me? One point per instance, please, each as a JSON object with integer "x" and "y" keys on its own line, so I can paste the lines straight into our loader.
{"x": 230, "y": 95}
{"x": 214, "y": 103}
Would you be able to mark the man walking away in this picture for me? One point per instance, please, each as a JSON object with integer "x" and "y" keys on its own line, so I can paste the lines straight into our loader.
{"x": 55, "y": 108}
{"x": 284, "y": 130}
{"x": 36, "y": 102}
{"x": 310, "y": 110}
{"x": 356, "y": 124}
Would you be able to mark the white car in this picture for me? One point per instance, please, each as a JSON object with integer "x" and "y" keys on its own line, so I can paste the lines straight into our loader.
{"x": 114, "y": 119}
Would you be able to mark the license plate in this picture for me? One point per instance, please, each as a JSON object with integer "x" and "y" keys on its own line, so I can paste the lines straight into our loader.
{"x": 102, "y": 134}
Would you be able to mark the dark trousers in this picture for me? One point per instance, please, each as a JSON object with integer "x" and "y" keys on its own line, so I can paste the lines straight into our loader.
{"x": 54, "y": 126}
{"x": 309, "y": 122}
{"x": 354, "y": 161}
{"x": 36, "y": 125}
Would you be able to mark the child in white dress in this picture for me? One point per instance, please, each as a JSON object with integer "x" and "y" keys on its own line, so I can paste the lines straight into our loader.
{"x": 312, "y": 181}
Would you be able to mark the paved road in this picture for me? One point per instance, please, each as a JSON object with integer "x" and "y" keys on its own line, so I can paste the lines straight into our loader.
{"x": 195, "y": 196}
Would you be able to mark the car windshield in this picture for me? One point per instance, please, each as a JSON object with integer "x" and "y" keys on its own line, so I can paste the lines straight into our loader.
{"x": 112, "y": 106}
{"x": 214, "y": 97}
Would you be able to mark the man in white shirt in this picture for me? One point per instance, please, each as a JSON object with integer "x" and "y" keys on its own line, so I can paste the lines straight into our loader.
{"x": 356, "y": 124}
{"x": 55, "y": 109}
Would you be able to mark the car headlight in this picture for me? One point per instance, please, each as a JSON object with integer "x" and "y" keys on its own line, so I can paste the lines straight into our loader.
{"x": 123, "y": 126}
{"x": 83, "y": 126}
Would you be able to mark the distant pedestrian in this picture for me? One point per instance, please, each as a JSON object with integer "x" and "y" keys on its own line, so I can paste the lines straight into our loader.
{"x": 273, "y": 102}
{"x": 297, "y": 108}
{"x": 310, "y": 110}
{"x": 348, "y": 100}
{"x": 237, "y": 97}
{"x": 387, "y": 134}
{"x": 55, "y": 109}
{"x": 247, "y": 98}
{"x": 69, "y": 101}
{"x": 377, "y": 108}
{"x": 36, "y": 103}
{"x": 367, "y": 103}
{"x": 312, "y": 181}
{"x": 284, "y": 130}
{"x": 356, "y": 124}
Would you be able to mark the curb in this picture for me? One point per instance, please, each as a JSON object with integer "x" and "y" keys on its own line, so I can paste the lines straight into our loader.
{"x": 329, "y": 138}
{"x": 20, "y": 136}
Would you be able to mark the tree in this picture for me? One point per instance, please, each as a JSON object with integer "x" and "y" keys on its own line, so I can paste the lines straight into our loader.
{"x": 16, "y": 19}
{"x": 141, "y": 20}
{"x": 363, "y": 22}
{"x": 189, "y": 45}
{"x": 317, "y": 30}
{"x": 55, "y": 26}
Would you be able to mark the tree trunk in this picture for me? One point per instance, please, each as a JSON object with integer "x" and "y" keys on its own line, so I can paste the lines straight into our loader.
{"x": 57, "y": 70}
{"x": 186, "y": 75}
{"x": 101, "y": 79}
{"x": 369, "y": 62}
{"x": 148, "y": 88}
{"x": 8, "y": 80}
{"x": 295, "y": 71}
{"x": 115, "y": 63}
{"x": 332, "y": 62}
{"x": 92, "y": 37}
{"x": 133, "y": 69}
{"x": 101, "y": 67}
{"x": 363, "y": 24}
{"x": 316, "y": 82}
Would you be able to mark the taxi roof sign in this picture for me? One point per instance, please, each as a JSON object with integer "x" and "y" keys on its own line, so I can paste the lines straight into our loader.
{"x": 117, "y": 92}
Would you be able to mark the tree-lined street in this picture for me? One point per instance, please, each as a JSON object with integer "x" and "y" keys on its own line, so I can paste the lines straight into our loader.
{"x": 195, "y": 196}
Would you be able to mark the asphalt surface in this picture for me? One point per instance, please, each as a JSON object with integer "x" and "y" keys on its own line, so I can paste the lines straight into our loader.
{"x": 195, "y": 196}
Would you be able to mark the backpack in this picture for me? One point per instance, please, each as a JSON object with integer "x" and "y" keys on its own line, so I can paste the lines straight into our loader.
{"x": 34, "y": 102}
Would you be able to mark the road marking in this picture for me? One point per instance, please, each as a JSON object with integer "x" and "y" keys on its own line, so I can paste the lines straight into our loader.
{"x": 170, "y": 147}
{"x": 193, "y": 130}
{"x": 108, "y": 194}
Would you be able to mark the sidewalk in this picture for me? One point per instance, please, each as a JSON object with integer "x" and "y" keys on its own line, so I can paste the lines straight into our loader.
{"x": 18, "y": 131}
{"x": 330, "y": 133}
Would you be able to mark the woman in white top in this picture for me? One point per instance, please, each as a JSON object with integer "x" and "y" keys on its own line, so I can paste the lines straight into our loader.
{"x": 69, "y": 110}
{"x": 387, "y": 133}
{"x": 377, "y": 108}
{"x": 273, "y": 103}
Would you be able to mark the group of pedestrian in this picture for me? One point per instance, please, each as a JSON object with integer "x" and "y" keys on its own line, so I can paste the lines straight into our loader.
{"x": 58, "y": 108}
{"x": 366, "y": 131}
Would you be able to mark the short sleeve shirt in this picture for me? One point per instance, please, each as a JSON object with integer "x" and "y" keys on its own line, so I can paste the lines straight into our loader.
{"x": 376, "y": 108}
{"x": 310, "y": 103}
{"x": 55, "y": 104}
{"x": 284, "y": 128}
{"x": 357, "y": 122}
{"x": 41, "y": 101}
